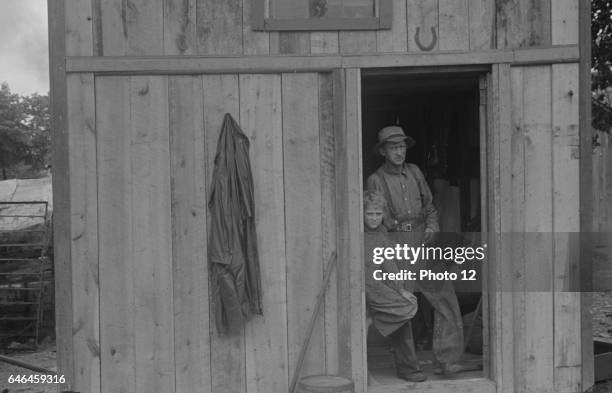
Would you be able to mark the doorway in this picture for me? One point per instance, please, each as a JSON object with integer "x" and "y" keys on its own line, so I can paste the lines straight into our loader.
{"x": 441, "y": 109}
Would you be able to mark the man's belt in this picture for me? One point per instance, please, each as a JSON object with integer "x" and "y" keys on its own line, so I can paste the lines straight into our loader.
{"x": 404, "y": 227}
{"x": 410, "y": 225}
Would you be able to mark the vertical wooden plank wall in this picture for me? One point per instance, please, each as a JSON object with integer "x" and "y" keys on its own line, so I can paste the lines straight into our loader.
{"x": 586, "y": 192}
{"x": 84, "y": 232}
{"x": 523, "y": 23}
{"x": 135, "y": 27}
{"x": 187, "y": 27}
{"x": 154, "y": 146}
{"x": 81, "y": 138}
{"x": 180, "y": 27}
{"x": 481, "y": 17}
{"x": 517, "y": 222}
{"x": 396, "y": 39}
{"x": 545, "y": 128}
{"x": 289, "y": 43}
{"x": 566, "y": 205}
{"x": 351, "y": 249}
{"x": 302, "y": 174}
{"x": 78, "y": 28}
{"x": 511, "y": 196}
{"x": 532, "y": 173}
{"x": 343, "y": 212}
{"x": 564, "y": 22}
{"x": 422, "y": 21}
{"x": 538, "y": 311}
{"x": 61, "y": 189}
{"x": 566, "y": 215}
{"x": 111, "y": 27}
{"x": 254, "y": 42}
{"x": 213, "y": 27}
{"x": 151, "y": 234}
{"x": 324, "y": 42}
{"x": 453, "y": 19}
{"x": 221, "y": 95}
{"x": 136, "y": 308}
{"x": 353, "y": 42}
{"x": 489, "y": 180}
{"x": 266, "y": 338}
{"x": 143, "y": 146}
{"x": 115, "y": 240}
{"x": 219, "y": 29}
{"x": 501, "y": 146}
{"x": 189, "y": 234}
{"x": 328, "y": 214}
{"x": 145, "y": 27}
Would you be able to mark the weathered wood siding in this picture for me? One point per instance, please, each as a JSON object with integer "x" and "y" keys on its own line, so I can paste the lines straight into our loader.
{"x": 213, "y": 27}
{"x": 539, "y": 201}
{"x": 147, "y": 143}
{"x": 543, "y": 199}
{"x": 137, "y": 293}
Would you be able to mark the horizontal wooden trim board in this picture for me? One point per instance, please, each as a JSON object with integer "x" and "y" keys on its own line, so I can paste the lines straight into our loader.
{"x": 480, "y": 385}
{"x": 201, "y": 65}
{"x": 560, "y": 54}
{"x": 334, "y": 24}
{"x": 271, "y": 64}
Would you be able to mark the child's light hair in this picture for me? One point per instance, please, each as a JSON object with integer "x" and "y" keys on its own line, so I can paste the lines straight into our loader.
{"x": 374, "y": 199}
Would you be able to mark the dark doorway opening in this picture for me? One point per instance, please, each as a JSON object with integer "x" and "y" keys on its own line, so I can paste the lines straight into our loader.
{"x": 440, "y": 109}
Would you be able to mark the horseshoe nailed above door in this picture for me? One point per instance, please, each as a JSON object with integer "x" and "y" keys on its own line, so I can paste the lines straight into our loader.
{"x": 432, "y": 44}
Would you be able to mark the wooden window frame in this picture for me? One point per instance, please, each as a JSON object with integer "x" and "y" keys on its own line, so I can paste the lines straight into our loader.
{"x": 260, "y": 22}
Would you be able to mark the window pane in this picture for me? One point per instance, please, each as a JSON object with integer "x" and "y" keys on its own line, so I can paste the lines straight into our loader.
{"x": 300, "y": 9}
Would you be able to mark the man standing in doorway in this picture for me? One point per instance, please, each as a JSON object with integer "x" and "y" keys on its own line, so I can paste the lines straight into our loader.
{"x": 411, "y": 209}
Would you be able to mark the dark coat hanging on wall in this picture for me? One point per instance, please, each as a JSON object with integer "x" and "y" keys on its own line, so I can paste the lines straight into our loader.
{"x": 232, "y": 245}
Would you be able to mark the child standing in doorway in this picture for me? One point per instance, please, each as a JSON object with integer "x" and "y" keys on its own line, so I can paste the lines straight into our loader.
{"x": 389, "y": 304}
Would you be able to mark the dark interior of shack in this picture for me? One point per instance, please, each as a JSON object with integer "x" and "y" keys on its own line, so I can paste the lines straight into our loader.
{"x": 441, "y": 111}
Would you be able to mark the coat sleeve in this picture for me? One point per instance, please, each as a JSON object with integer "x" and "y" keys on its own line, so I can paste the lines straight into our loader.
{"x": 220, "y": 238}
{"x": 374, "y": 183}
{"x": 430, "y": 213}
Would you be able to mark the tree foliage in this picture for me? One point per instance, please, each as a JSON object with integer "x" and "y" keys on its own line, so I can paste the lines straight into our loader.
{"x": 601, "y": 62}
{"x": 24, "y": 134}
{"x": 601, "y": 43}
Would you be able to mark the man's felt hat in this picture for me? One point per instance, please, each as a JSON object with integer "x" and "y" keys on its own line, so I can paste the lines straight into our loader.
{"x": 393, "y": 134}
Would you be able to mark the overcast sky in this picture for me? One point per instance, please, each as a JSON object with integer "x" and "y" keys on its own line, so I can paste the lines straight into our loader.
{"x": 24, "y": 52}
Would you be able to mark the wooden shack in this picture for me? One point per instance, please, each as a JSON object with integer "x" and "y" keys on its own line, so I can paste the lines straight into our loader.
{"x": 139, "y": 90}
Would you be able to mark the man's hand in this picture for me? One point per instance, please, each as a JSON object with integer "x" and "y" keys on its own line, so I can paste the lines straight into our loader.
{"x": 429, "y": 236}
{"x": 408, "y": 296}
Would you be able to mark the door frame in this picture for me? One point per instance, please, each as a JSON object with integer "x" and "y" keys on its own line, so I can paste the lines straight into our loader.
{"x": 499, "y": 364}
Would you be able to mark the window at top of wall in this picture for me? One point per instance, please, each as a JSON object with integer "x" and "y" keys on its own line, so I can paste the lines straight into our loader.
{"x": 311, "y": 15}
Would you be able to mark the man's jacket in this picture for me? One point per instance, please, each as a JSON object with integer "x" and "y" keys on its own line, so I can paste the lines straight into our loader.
{"x": 232, "y": 244}
{"x": 408, "y": 196}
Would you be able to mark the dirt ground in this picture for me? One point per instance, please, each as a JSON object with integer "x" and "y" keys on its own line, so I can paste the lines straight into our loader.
{"x": 44, "y": 357}
{"x": 602, "y": 314}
